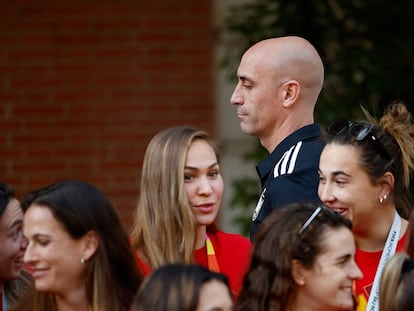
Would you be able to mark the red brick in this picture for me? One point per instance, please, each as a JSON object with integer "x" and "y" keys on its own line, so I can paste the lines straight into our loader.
{"x": 85, "y": 86}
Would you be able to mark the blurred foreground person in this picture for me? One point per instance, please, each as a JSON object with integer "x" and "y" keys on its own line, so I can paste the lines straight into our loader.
{"x": 182, "y": 287}
{"x": 397, "y": 284}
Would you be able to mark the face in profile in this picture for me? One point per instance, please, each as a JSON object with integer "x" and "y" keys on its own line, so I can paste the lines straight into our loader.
{"x": 203, "y": 183}
{"x": 255, "y": 95}
{"x": 328, "y": 284}
{"x": 214, "y": 296}
{"x": 54, "y": 256}
{"x": 12, "y": 245}
{"x": 345, "y": 187}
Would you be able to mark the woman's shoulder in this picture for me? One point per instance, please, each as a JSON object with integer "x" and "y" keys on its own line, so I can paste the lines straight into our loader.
{"x": 229, "y": 239}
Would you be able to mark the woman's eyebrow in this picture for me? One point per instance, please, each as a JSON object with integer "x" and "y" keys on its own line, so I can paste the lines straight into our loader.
{"x": 195, "y": 168}
{"x": 16, "y": 223}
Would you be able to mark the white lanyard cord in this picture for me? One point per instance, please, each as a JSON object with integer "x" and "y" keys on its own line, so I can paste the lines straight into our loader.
{"x": 388, "y": 251}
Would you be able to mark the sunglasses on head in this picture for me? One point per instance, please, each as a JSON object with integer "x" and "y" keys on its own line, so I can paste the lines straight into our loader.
{"x": 360, "y": 131}
{"x": 320, "y": 209}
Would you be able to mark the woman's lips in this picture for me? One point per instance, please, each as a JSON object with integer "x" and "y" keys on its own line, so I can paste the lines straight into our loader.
{"x": 205, "y": 208}
{"x": 38, "y": 273}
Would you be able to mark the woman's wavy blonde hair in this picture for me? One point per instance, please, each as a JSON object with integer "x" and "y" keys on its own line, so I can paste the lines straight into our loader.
{"x": 164, "y": 228}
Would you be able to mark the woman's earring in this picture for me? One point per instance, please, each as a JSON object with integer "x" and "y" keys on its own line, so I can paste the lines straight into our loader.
{"x": 82, "y": 260}
{"x": 383, "y": 198}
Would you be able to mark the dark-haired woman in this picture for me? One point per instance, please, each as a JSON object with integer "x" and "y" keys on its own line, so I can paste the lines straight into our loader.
{"x": 365, "y": 172}
{"x": 303, "y": 259}
{"x": 79, "y": 254}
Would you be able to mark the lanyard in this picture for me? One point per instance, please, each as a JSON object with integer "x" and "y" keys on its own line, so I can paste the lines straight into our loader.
{"x": 388, "y": 251}
{"x": 211, "y": 256}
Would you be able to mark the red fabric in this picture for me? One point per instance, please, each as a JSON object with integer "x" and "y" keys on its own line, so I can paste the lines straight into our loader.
{"x": 368, "y": 263}
{"x": 233, "y": 256}
{"x": 142, "y": 266}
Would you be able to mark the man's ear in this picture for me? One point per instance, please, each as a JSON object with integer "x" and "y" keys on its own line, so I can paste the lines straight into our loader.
{"x": 91, "y": 242}
{"x": 298, "y": 272}
{"x": 291, "y": 90}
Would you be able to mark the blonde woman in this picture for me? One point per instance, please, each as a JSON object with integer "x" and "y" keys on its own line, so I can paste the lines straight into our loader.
{"x": 181, "y": 192}
{"x": 397, "y": 284}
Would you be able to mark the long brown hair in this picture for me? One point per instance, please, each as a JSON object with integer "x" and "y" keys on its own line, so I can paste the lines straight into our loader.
{"x": 112, "y": 276}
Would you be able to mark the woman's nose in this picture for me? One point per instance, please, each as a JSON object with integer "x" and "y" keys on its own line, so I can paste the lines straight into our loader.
{"x": 205, "y": 186}
{"x": 356, "y": 273}
{"x": 325, "y": 193}
{"x": 28, "y": 254}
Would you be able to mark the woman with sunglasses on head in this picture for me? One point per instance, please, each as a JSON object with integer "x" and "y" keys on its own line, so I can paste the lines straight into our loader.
{"x": 364, "y": 175}
{"x": 175, "y": 219}
{"x": 303, "y": 259}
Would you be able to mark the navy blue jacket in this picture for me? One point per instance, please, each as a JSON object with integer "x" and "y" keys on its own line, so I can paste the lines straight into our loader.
{"x": 290, "y": 173}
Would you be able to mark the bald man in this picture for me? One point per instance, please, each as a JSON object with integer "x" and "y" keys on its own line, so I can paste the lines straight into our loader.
{"x": 279, "y": 83}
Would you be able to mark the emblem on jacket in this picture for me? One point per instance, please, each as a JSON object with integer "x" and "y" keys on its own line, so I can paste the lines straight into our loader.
{"x": 259, "y": 205}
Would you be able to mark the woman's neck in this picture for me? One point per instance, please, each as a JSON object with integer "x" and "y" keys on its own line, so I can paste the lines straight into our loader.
{"x": 301, "y": 302}
{"x": 374, "y": 237}
{"x": 75, "y": 301}
{"x": 201, "y": 237}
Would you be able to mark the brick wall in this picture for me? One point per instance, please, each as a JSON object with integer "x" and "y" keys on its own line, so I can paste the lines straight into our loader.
{"x": 84, "y": 85}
